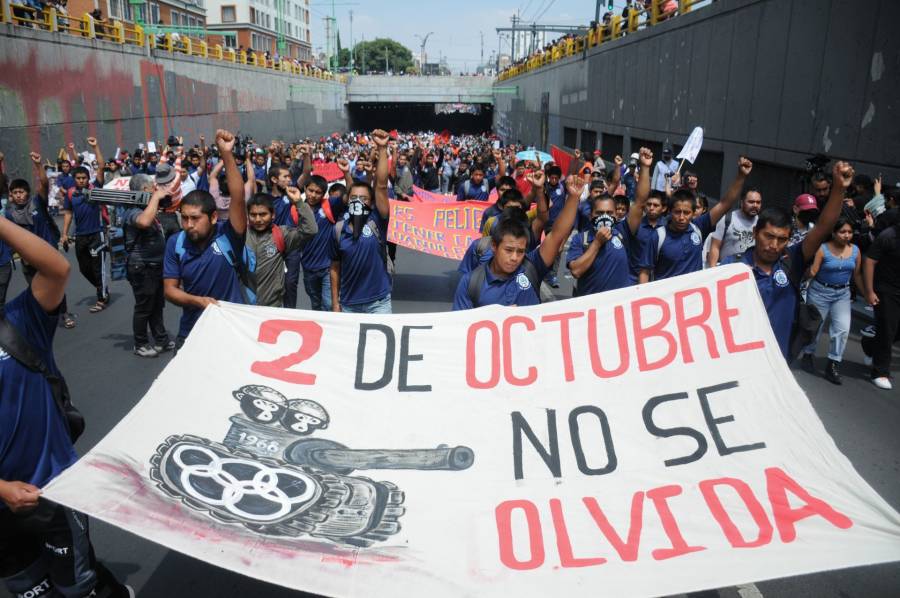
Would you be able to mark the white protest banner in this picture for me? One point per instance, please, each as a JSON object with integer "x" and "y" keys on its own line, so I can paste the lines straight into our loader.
{"x": 151, "y": 147}
{"x": 692, "y": 146}
{"x": 641, "y": 442}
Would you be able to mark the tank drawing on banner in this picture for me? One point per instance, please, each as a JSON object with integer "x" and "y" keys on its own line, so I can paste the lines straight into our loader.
{"x": 271, "y": 477}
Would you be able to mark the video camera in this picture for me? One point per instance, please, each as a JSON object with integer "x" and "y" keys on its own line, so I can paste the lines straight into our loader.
{"x": 116, "y": 197}
{"x": 815, "y": 164}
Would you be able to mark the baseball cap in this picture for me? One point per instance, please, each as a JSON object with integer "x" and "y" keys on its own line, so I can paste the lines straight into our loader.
{"x": 633, "y": 158}
{"x": 165, "y": 174}
{"x": 805, "y": 201}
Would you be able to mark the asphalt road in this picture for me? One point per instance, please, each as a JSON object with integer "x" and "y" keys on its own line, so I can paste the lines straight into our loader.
{"x": 106, "y": 381}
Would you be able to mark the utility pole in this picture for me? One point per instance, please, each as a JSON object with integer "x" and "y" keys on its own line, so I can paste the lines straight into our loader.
{"x": 386, "y": 62}
{"x": 597, "y": 12}
{"x": 351, "y": 41}
{"x": 515, "y": 20}
{"x": 482, "y": 48}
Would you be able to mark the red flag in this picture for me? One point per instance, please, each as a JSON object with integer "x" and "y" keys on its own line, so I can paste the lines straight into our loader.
{"x": 330, "y": 171}
{"x": 562, "y": 158}
{"x": 394, "y": 133}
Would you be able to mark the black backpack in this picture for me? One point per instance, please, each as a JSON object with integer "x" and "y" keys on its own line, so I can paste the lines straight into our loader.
{"x": 15, "y": 344}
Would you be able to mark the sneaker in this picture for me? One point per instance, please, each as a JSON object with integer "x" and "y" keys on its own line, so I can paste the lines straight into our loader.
{"x": 146, "y": 351}
{"x": 554, "y": 282}
{"x": 868, "y": 331}
{"x": 806, "y": 362}
{"x": 882, "y": 382}
{"x": 168, "y": 346}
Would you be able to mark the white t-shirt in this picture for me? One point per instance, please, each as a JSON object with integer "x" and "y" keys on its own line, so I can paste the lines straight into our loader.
{"x": 738, "y": 238}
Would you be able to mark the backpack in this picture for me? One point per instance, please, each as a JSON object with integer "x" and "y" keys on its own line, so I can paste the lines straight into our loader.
{"x": 243, "y": 273}
{"x": 388, "y": 262}
{"x": 15, "y": 344}
{"x": 278, "y": 239}
{"x": 467, "y": 186}
{"x": 479, "y": 274}
{"x": 661, "y": 234}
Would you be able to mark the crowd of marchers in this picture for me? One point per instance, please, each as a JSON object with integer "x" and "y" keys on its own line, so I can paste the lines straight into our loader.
{"x": 243, "y": 222}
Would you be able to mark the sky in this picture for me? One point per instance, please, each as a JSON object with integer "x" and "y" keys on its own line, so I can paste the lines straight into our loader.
{"x": 456, "y": 24}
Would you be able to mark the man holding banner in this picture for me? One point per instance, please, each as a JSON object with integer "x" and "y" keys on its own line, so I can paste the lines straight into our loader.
{"x": 512, "y": 276}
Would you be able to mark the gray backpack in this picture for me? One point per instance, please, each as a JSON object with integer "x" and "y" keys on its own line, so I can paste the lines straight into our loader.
{"x": 479, "y": 274}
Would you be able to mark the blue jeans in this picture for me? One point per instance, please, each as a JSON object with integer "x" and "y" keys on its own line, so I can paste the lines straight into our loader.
{"x": 379, "y": 306}
{"x": 291, "y": 279}
{"x": 318, "y": 286}
{"x": 833, "y": 303}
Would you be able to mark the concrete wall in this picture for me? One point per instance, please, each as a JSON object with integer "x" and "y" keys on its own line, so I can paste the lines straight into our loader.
{"x": 378, "y": 88}
{"x": 56, "y": 88}
{"x": 778, "y": 80}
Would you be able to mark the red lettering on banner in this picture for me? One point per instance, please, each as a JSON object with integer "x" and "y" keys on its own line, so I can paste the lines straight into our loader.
{"x": 310, "y": 340}
{"x": 628, "y": 551}
{"x": 508, "y": 373}
{"x": 726, "y": 314}
{"x": 641, "y": 334}
{"x": 732, "y": 533}
{"x": 472, "y": 357}
{"x": 503, "y": 515}
{"x": 565, "y": 339}
{"x": 564, "y": 545}
{"x": 778, "y": 483}
{"x": 660, "y": 497}
{"x": 621, "y": 337}
{"x": 698, "y": 321}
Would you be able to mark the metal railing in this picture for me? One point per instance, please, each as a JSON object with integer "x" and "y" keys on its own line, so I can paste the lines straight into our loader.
{"x": 132, "y": 34}
{"x": 618, "y": 26}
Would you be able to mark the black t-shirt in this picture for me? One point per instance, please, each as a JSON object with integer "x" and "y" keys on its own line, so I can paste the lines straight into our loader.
{"x": 144, "y": 245}
{"x": 886, "y": 249}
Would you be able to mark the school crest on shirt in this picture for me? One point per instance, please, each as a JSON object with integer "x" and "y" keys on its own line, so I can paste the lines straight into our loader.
{"x": 781, "y": 278}
{"x": 523, "y": 281}
{"x": 695, "y": 238}
{"x": 617, "y": 242}
{"x": 3, "y": 355}
{"x": 366, "y": 231}
{"x": 271, "y": 251}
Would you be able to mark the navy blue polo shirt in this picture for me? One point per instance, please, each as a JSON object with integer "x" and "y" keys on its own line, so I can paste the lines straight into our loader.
{"x": 316, "y": 254}
{"x": 34, "y": 442}
{"x": 557, "y": 198}
{"x": 490, "y": 212}
{"x": 583, "y": 217}
{"x": 610, "y": 268}
{"x": 515, "y": 290}
{"x": 364, "y": 276}
{"x": 204, "y": 273}
{"x": 778, "y": 294}
{"x": 65, "y": 181}
{"x": 5, "y": 255}
{"x": 87, "y": 215}
{"x": 682, "y": 251}
{"x": 282, "y": 211}
{"x": 41, "y": 225}
{"x": 477, "y": 192}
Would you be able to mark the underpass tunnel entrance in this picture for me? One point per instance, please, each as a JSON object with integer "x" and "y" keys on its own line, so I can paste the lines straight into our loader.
{"x": 409, "y": 116}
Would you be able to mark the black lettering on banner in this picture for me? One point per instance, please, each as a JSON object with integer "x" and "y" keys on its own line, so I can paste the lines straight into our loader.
{"x": 575, "y": 432}
{"x": 405, "y": 358}
{"x": 713, "y": 422}
{"x": 669, "y": 432}
{"x": 550, "y": 458}
{"x": 389, "y": 351}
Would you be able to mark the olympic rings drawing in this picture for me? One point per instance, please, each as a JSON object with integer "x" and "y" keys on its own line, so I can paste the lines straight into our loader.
{"x": 266, "y": 491}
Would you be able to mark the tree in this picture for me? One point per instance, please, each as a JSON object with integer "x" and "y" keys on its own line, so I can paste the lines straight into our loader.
{"x": 344, "y": 57}
{"x": 370, "y": 57}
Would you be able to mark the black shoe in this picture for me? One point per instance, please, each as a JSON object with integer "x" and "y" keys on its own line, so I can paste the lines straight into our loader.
{"x": 832, "y": 374}
{"x": 806, "y": 362}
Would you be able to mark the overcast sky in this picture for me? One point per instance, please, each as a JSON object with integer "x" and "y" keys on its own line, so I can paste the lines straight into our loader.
{"x": 456, "y": 23}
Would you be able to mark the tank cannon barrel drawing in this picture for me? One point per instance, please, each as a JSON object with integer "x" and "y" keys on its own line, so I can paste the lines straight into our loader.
{"x": 332, "y": 456}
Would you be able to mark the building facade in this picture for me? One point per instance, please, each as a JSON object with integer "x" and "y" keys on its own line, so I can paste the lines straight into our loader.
{"x": 177, "y": 13}
{"x": 278, "y": 26}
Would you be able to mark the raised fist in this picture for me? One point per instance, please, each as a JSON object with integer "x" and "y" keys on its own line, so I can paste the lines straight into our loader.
{"x": 618, "y": 161}
{"x": 537, "y": 179}
{"x": 745, "y": 165}
{"x": 35, "y": 157}
{"x": 92, "y": 141}
{"x": 574, "y": 184}
{"x": 224, "y": 141}
{"x": 843, "y": 173}
{"x": 293, "y": 194}
{"x": 381, "y": 138}
{"x": 344, "y": 165}
{"x": 646, "y": 157}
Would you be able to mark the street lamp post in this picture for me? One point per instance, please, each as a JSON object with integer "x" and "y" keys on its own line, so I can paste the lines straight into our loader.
{"x": 422, "y": 51}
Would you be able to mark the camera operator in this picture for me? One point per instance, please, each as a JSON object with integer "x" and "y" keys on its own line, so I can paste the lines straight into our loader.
{"x": 146, "y": 247}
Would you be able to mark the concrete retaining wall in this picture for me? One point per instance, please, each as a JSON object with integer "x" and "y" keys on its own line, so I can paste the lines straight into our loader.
{"x": 56, "y": 88}
{"x": 779, "y": 80}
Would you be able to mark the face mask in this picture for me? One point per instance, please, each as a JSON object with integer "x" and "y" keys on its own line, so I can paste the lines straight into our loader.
{"x": 603, "y": 221}
{"x": 359, "y": 214}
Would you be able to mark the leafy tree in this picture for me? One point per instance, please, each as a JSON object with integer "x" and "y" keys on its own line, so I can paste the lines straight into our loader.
{"x": 369, "y": 56}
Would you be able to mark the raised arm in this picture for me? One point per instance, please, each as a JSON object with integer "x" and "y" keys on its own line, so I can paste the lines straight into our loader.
{"x": 148, "y": 216}
{"x": 49, "y": 284}
{"x": 616, "y": 175}
{"x": 381, "y": 139}
{"x": 101, "y": 163}
{"x": 734, "y": 191}
{"x": 43, "y": 186}
{"x": 842, "y": 176}
{"x": 344, "y": 165}
{"x": 539, "y": 193}
{"x": 642, "y": 192}
{"x": 237, "y": 209}
{"x": 549, "y": 249}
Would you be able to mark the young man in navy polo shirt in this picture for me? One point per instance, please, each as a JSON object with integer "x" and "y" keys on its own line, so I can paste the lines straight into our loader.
{"x": 360, "y": 282}
{"x": 478, "y": 185}
{"x": 677, "y": 248}
{"x": 778, "y": 269}
{"x": 598, "y": 258}
{"x": 505, "y": 279}
{"x": 5, "y": 271}
{"x": 87, "y": 226}
{"x": 44, "y": 547}
{"x": 196, "y": 272}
